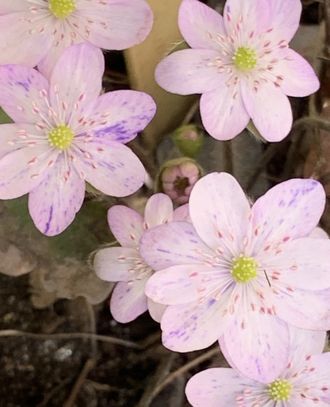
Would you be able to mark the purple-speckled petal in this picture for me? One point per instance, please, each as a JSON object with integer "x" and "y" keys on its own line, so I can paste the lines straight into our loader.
{"x": 158, "y": 210}
{"x": 289, "y": 210}
{"x": 172, "y": 244}
{"x": 192, "y": 326}
{"x": 54, "y": 203}
{"x": 117, "y": 116}
{"x": 113, "y": 168}
{"x": 128, "y": 300}
{"x": 217, "y": 387}
{"x": 258, "y": 344}
{"x": 115, "y": 263}
{"x": 23, "y": 93}
{"x": 75, "y": 82}
{"x": 126, "y": 225}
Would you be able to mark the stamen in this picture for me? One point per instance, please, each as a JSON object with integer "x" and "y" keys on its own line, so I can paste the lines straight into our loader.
{"x": 280, "y": 390}
{"x": 245, "y": 59}
{"x": 244, "y": 269}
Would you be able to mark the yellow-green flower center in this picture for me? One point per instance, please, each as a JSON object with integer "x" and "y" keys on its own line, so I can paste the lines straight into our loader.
{"x": 60, "y": 137}
{"x": 280, "y": 390}
{"x": 245, "y": 59}
{"x": 244, "y": 269}
{"x": 62, "y": 8}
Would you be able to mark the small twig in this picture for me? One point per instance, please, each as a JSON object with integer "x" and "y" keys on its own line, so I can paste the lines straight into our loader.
{"x": 183, "y": 369}
{"x": 311, "y": 121}
{"x": 73, "y": 335}
{"x": 89, "y": 365}
{"x": 53, "y": 391}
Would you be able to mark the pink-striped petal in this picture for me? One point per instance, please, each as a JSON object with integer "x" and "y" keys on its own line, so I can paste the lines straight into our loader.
{"x": 200, "y": 25}
{"x": 299, "y": 78}
{"x": 173, "y": 244}
{"x": 112, "y": 169}
{"x": 276, "y": 216}
{"x": 53, "y": 204}
{"x": 219, "y": 211}
{"x": 223, "y": 113}
{"x": 114, "y": 24}
{"x": 192, "y": 326}
{"x": 258, "y": 344}
{"x": 126, "y": 225}
{"x": 158, "y": 210}
{"x": 23, "y": 93}
{"x": 190, "y": 71}
{"x": 76, "y": 81}
{"x": 270, "y": 110}
{"x": 128, "y": 300}
{"x": 116, "y": 263}
{"x": 117, "y": 116}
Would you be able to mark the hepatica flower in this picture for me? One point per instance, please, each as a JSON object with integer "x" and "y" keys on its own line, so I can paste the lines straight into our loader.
{"x": 241, "y": 64}
{"x": 242, "y": 274}
{"x": 65, "y": 133}
{"x": 37, "y": 31}
{"x": 125, "y": 264}
{"x": 304, "y": 382}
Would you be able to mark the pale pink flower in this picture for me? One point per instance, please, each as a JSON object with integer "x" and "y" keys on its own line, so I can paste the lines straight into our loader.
{"x": 304, "y": 382}
{"x": 36, "y": 32}
{"x": 241, "y": 64}
{"x": 65, "y": 133}
{"x": 125, "y": 265}
{"x": 242, "y": 274}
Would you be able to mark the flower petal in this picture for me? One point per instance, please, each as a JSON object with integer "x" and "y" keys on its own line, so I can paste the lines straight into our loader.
{"x": 192, "y": 326}
{"x": 156, "y": 310}
{"x": 21, "y": 41}
{"x": 299, "y": 78}
{"x": 76, "y": 81}
{"x": 112, "y": 169}
{"x": 285, "y": 16}
{"x": 258, "y": 344}
{"x": 126, "y": 225}
{"x": 270, "y": 110}
{"x": 277, "y": 215}
{"x": 23, "y": 169}
{"x": 190, "y": 71}
{"x": 223, "y": 113}
{"x": 303, "y": 264}
{"x": 115, "y": 24}
{"x": 115, "y": 263}
{"x": 158, "y": 210}
{"x": 13, "y": 6}
{"x": 217, "y": 387}
{"x": 179, "y": 284}
{"x": 128, "y": 300}
{"x": 53, "y": 204}
{"x": 117, "y": 116}
{"x": 318, "y": 233}
{"x": 219, "y": 211}
{"x": 200, "y": 25}
{"x": 172, "y": 244}
{"x": 304, "y": 309}
{"x": 23, "y": 93}
{"x": 182, "y": 213}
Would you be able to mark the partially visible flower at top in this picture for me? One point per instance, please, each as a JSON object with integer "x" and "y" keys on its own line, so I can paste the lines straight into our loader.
{"x": 241, "y": 64}
{"x": 304, "y": 382}
{"x": 65, "y": 133}
{"x": 178, "y": 177}
{"x": 125, "y": 264}
{"x": 240, "y": 274}
{"x": 36, "y": 32}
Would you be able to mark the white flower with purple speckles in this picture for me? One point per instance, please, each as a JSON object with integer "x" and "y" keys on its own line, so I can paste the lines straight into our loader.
{"x": 304, "y": 382}
{"x": 66, "y": 133}
{"x": 125, "y": 264}
{"x": 36, "y": 32}
{"x": 242, "y": 275}
{"x": 241, "y": 64}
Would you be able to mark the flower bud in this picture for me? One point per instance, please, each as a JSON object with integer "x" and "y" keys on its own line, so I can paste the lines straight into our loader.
{"x": 188, "y": 139}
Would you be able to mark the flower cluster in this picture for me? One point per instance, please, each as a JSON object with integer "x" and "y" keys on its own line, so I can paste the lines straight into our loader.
{"x": 254, "y": 277}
